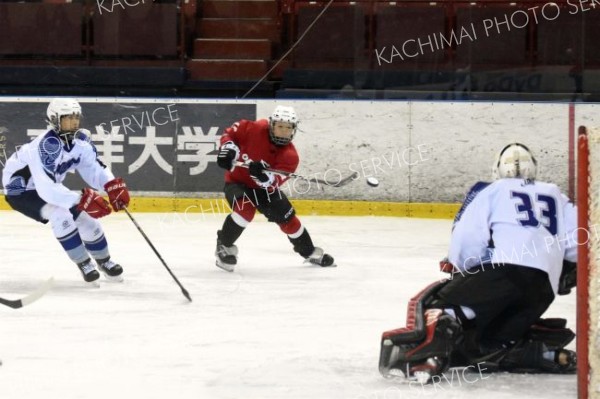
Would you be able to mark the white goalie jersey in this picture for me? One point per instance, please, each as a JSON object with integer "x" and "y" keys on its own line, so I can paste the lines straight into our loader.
{"x": 43, "y": 164}
{"x": 515, "y": 221}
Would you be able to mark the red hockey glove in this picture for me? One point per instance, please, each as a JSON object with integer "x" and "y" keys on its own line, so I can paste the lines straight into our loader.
{"x": 446, "y": 266}
{"x": 118, "y": 195}
{"x": 93, "y": 204}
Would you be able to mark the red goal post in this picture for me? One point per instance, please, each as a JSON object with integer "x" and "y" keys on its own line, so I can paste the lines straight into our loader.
{"x": 588, "y": 263}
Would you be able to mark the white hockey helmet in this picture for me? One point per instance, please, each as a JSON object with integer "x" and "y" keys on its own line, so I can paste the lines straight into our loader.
{"x": 283, "y": 114}
{"x": 515, "y": 160}
{"x": 60, "y": 107}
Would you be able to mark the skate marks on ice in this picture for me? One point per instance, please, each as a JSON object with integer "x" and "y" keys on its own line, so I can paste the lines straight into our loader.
{"x": 455, "y": 383}
{"x": 274, "y": 328}
{"x": 354, "y": 377}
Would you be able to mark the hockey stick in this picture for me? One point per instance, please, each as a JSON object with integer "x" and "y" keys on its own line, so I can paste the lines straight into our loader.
{"x": 183, "y": 290}
{"x": 342, "y": 182}
{"x": 29, "y": 299}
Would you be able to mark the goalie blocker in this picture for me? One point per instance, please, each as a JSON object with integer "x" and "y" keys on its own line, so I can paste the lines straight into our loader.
{"x": 433, "y": 341}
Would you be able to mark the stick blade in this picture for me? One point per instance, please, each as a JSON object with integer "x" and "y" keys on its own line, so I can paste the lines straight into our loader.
{"x": 29, "y": 299}
{"x": 186, "y": 294}
{"x": 346, "y": 180}
{"x": 40, "y": 292}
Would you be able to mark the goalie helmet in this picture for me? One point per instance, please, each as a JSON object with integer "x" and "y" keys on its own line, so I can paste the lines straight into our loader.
{"x": 286, "y": 115}
{"x": 515, "y": 160}
{"x": 58, "y": 108}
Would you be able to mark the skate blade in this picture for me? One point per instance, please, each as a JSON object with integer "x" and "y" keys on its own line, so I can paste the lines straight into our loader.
{"x": 227, "y": 268}
{"x": 114, "y": 279}
{"x": 92, "y": 284}
{"x": 309, "y": 263}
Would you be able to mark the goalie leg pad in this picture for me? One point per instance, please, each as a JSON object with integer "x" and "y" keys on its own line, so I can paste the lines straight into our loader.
{"x": 528, "y": 357}
{"x": 546, "y": 335}
{"x": 425, "y": 345}
{"x": 552, "y": 332}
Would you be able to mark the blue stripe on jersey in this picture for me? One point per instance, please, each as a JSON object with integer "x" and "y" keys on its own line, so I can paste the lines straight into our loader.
{"x": 62, "y": 168}
{"x": 16, "y": 186}
{"x": 70, "y": 241}
{"x": 82, "y": 134}
{"x": 476, "y": 189}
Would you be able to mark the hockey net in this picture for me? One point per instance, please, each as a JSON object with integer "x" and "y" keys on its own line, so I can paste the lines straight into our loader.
{"x": 588, "y": 264}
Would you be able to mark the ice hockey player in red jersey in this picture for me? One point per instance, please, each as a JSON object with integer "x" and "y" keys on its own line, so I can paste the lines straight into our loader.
{"x": 32, "y": 180}
{"x": 259, "y": 145}
{"x": 511, "y": 252}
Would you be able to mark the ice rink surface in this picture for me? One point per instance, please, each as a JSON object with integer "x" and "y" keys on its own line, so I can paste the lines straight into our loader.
{"x": 273, "y": 329}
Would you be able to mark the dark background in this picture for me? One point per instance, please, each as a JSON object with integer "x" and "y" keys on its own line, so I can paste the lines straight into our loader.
{"x": 16, "y": 118}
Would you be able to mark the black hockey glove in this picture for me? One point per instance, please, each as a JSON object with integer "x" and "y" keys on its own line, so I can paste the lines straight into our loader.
{"x": 257, "y": 170}
{"x": 568, "y": 278}
{"x": 228, "y": 153}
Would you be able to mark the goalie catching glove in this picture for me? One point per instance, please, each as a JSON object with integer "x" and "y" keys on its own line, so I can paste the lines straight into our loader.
{"x": 118, "y": 195}
{"x": 264, "y": 179}
{"x": 93, "y": 204}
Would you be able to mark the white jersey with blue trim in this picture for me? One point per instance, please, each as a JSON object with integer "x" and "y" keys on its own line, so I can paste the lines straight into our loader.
{"x": 43, "y": 163}
{"x": 515, "y": 221}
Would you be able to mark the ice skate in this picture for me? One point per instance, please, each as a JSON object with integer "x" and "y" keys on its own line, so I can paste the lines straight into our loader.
{"x": 88, "y": 271}
{"x": 566, "y": 361}
{"x": 111, "y": 270}
{"x": 226, "y": 257}
{"x": 319, "y": 258}
{"x": 529, "y": 357}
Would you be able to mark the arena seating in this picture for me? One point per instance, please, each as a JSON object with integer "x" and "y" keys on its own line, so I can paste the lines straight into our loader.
{"x": 209, "y": 45}
{"x": 234, "y": 40}
{"x": 493, "y": 43}
{"x": 144, "y": 30}
{"x": 41, "y": 29}
{"x": 398, "y": 22}
{"x": 337, "y": 39}
{"x": 55, "y": 44}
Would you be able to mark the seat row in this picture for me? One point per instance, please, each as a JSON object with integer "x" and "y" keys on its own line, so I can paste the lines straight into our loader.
{"x": 90, "y": 29}
{"x": 481, "y": 34}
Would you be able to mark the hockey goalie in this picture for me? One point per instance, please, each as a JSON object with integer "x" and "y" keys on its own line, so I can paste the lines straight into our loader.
{"x": 511, "y": 251}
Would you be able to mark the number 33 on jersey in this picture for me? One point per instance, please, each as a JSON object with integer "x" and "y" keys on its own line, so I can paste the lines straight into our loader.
{"x": 528, "y": 223}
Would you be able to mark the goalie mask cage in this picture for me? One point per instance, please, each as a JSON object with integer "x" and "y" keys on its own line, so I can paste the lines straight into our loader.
{"x": 588, "y": 263}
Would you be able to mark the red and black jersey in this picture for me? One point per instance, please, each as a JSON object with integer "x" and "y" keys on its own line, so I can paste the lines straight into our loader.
{"x": 252, "y": 137}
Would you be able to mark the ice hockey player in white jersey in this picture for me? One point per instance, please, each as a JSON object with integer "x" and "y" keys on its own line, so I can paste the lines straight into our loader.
{"x": 33, "y": 177}
{"x": 512, "y": 250}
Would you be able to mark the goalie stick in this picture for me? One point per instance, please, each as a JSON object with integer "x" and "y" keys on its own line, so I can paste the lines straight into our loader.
{"x": 34, "y": 296}
{"x": 342, "y": 182}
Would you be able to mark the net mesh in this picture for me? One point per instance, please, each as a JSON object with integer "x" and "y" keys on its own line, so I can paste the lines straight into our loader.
{"x": 594, "y": 262}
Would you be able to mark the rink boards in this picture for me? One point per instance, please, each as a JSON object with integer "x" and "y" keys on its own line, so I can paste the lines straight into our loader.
{"x": 425, "y": 154}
